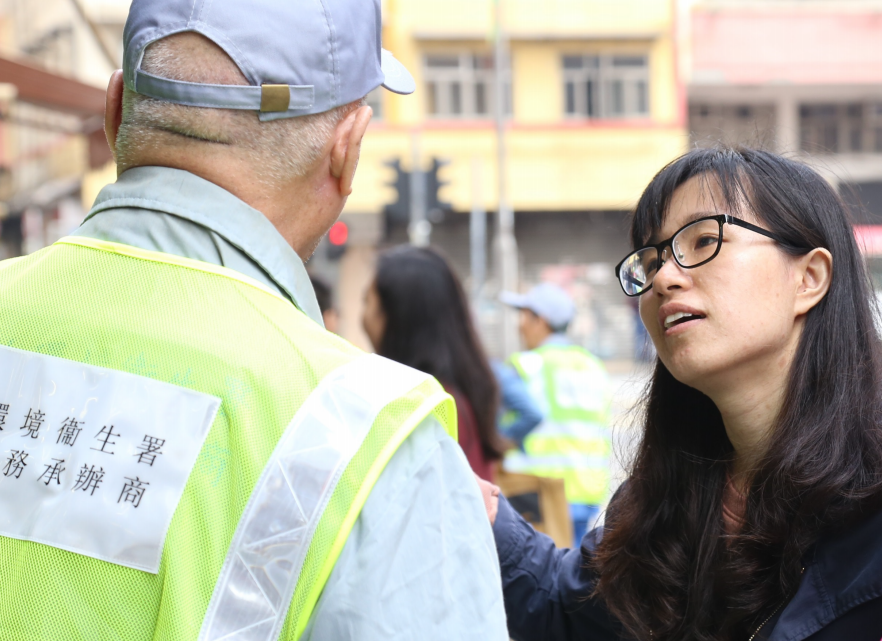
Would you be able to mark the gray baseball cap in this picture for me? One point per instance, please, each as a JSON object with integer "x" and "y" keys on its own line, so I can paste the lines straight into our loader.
{"x": 300, "y": 56}
{"x": 546, "y": 301}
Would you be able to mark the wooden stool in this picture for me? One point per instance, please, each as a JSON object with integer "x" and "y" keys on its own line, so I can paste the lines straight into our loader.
{"x": 542, "y": 502}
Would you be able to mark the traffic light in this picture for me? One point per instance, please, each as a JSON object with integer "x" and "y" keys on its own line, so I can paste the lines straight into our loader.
{"x": 436, "y": 208}
{"x": 398, "y": 212}
{"x": 338, "y": 236}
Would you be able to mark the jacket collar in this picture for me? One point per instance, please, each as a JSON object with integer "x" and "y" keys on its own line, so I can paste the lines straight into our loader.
{"x": 187, "y": 196}
{"x": 843, "y": 572}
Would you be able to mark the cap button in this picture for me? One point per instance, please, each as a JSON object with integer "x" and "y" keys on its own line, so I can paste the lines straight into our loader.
{"x": 274, "y": 98}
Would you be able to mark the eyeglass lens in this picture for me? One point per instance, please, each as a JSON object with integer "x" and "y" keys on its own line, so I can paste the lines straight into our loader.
{"x": 693, "y": 245}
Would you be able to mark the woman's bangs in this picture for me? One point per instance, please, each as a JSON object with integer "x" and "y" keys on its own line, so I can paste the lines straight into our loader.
{"x": 725, "y": 167}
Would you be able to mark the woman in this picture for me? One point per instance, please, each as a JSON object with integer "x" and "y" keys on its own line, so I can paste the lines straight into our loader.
{"x": 752, "y": 510}
{"x": 416, "y": 313}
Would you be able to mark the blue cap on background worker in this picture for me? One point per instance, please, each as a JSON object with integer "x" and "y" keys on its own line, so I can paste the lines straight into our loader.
{"x": 549, "y": 310}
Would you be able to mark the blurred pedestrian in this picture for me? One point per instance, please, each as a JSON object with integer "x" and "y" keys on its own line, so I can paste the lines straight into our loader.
{"x": 197, "y": 456}
{"x": 572, "y": 388}
{"x": 519, "y": 412}
{"x": 324, "y": 296}
{"x": 753, "y": 509}
{"x": 416, "y": 313}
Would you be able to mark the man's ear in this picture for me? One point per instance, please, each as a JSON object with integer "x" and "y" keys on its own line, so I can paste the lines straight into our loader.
{"x": 347, "y": 147}
{"x": 113, "y": 108}
{"x": 815, "y": 273}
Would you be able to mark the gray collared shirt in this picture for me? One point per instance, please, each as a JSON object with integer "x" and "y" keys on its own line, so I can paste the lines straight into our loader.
{"x": 420, "y": 561}
{"x": 197, "y": 219}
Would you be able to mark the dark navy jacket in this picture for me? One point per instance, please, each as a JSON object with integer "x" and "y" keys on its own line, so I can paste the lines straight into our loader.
{"x": 547, "y": 589}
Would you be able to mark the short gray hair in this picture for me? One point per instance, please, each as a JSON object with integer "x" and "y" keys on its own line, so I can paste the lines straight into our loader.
{"x": 279, "y": 149}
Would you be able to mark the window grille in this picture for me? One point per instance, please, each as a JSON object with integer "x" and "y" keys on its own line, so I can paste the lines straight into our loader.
{"x": 732, "y": 124}
{"x": 841, "y": 127}
{"x": 461, "y": 85}
{"x": 606, "y": 86}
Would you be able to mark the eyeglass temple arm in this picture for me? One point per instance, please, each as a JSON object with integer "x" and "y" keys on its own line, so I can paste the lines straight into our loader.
{"x": 759, "y": 230}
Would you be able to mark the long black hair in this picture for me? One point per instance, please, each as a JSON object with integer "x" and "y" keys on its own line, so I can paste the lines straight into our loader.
{"x": 667, "y": 568}
{"x": 429, "y": 328}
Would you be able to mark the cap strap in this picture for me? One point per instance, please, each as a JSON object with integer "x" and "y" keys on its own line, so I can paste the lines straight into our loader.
{"x": 268, "y": 98}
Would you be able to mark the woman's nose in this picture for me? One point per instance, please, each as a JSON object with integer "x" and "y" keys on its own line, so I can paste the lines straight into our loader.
{"x": 670, "y": 274}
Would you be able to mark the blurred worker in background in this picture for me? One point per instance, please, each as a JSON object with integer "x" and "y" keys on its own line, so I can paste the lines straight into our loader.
{"x": 214, "y": 464}
{"x": 416, "y": 313}
{"x": 572, "y": 387}
{"x": 324, "y": 295}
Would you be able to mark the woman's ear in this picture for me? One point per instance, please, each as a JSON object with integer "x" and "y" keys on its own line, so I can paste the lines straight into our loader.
{"x": 815, "y": 272}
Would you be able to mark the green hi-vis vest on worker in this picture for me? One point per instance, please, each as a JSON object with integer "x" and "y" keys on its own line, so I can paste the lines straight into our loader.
{"x": 303, "y": 425}
{"x": 573, "y": 440}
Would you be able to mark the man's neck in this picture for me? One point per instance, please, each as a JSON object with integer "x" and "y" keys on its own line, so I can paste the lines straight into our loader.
{"x": 295, "y": 208}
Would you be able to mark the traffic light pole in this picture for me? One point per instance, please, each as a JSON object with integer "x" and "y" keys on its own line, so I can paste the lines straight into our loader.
{"x": 477, "y": 235}
{"x": 419, "y": 229}
{"x": 506, "y": 245}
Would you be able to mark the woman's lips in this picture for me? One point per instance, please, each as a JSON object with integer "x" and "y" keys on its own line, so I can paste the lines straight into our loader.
{"x": 679, "y": 318}
{"x": 674, "y": 315}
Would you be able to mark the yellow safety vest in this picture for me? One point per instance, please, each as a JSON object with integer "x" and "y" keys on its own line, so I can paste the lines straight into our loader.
{"x": 304, "y": 425}
{"x": 573, "y": 440}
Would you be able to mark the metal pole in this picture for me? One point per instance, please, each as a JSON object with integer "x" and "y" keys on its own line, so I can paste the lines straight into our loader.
{"x": 478, "y": 234}
{"x": 507, "y": 250}
{"x": 419, "y": 228}
{"x": 96, "y": 34}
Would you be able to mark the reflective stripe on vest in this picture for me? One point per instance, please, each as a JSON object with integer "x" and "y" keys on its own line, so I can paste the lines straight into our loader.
{"x": 255, "y": 587}
{"x": 520, "y": 462}
{"x": 574, "y": 430}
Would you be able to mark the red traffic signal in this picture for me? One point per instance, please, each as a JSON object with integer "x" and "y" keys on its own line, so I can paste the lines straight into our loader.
{"x": 339, "y": 233}
{"x": 337, "y": 237}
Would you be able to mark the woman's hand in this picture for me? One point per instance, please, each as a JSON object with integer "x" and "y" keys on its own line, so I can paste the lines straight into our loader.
{"x": 491, "y": 498}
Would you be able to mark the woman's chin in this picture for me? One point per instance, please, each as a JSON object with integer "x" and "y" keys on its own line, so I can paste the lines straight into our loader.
{"x": 689, "y": 372}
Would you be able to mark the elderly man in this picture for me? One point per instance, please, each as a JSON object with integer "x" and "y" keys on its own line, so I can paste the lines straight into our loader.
{"x": 187, "y": 454}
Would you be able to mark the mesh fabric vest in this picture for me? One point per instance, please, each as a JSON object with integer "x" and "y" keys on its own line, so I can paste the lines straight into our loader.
{"x": 211, "y": 330}
{"x": 573, "y": 440}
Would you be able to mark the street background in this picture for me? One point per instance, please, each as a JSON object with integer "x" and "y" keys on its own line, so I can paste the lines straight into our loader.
{"x": 596, "y": 96}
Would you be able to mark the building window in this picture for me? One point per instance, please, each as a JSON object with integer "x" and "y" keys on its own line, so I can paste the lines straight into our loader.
{"x": 875, "y": 112}
{"x": 841, "y": 127}
{"x": 732, "y": 124}
{"x": 461, "y": 85}
{"x": 606, "y": 86}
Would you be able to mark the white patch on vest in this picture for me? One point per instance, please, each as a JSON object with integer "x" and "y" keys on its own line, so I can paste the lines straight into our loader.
{"x": 94, "y": 461}
{"x": 581, "y": 430}
{"x": 584, "y": 389}
{"x": 255, "y": 587}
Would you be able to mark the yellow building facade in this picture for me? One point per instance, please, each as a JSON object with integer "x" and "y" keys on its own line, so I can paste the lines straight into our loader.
{"x": 557, "y": 160}
{"x": 596, "y": 108}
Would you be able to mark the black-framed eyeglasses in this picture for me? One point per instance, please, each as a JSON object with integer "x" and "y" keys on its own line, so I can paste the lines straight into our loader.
{"x": 691, "y": 246}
